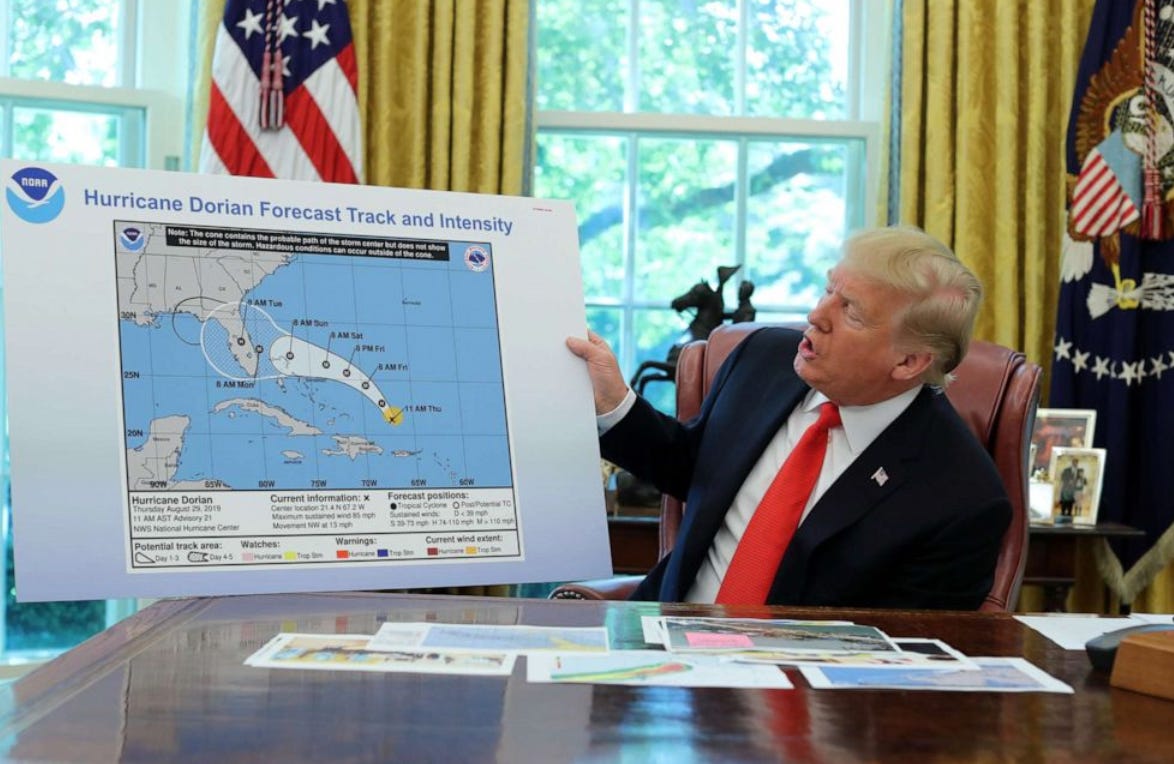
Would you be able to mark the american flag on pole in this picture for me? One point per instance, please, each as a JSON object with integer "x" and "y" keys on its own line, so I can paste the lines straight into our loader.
{"x": 283, "y": 98}
{"x": 1101, "y": 200}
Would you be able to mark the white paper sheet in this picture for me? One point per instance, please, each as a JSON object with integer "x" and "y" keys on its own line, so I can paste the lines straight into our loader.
{"x": 996, "y": 675}
{"x": 653, "y": 629}
{"x": 1071, "y": 631}
{"x": 652, "y": 668}
{"x": 490, "y": 637}
{"x": 686, "y": 634}
{"x": 914, "y": 653}
{"x": 352, "y": 652}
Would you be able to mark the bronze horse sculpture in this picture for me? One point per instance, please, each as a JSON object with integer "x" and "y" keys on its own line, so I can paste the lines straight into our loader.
{"x": 710, "y": 313}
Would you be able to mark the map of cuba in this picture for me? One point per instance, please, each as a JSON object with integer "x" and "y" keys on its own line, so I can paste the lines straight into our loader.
{"x": 251, "y": 363}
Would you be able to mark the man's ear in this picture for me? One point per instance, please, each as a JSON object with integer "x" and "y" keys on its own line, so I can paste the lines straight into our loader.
{"x": 911, "y": 366}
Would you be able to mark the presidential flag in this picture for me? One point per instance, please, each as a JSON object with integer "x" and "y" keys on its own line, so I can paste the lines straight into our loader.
{"x": 1114, "y": 344}
{"x": 283, "y": 103}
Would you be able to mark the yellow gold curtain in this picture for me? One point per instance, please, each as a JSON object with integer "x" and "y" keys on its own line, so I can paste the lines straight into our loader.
{"x": 443, "y": 91}
{"x": 986, "y": 89}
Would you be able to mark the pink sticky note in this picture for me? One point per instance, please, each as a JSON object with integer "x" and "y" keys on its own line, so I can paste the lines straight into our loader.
{"x": 705, "y": 639}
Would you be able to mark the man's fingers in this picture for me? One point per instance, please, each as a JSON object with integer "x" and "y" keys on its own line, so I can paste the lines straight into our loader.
{"x": 594, "y": 348}
{"x": 603, "y": 368}
{"x": 579, "y": 346}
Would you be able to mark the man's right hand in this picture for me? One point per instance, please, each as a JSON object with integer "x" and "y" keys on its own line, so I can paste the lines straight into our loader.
{"x": 603, "y": 368}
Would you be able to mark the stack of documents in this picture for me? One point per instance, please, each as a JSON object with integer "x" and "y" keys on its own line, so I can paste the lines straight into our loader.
{"x": 680, "y": 651}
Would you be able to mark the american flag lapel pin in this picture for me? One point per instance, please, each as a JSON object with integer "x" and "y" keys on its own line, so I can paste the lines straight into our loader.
{"x": 880, "y": 476}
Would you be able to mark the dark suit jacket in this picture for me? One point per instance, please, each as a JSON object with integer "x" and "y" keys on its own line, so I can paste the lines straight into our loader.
{"x": 927, "y": 538}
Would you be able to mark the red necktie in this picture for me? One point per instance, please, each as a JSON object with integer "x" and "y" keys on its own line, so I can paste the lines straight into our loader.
{"x": 756, "y": 560}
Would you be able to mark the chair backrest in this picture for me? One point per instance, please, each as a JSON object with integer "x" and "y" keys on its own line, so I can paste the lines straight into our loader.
{"x": 995, "y": 391}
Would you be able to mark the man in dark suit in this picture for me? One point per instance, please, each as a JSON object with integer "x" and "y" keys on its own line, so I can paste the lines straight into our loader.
{"x": 907, "y": 510}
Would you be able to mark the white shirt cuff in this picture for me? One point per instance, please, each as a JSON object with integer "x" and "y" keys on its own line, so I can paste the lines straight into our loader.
{"x": 605, "y": 422}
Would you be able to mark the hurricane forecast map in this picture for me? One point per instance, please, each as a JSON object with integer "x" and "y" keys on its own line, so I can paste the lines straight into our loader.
{"x": 302, "y": 398}
{"x": 222, "y": 385}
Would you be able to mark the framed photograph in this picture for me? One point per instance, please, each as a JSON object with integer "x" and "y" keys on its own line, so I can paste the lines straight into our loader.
{"x": 1077, "y": 474}
{"x": 1067, "y": 428}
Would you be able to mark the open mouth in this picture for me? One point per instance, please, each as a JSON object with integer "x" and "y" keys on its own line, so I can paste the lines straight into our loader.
{"x": 806, "y": 349}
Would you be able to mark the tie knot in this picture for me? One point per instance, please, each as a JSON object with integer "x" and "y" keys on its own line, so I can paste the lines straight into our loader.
{"x": 829, "y": 416}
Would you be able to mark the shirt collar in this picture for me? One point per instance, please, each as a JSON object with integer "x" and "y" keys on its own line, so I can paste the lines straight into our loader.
{"x": 863, "y": 424}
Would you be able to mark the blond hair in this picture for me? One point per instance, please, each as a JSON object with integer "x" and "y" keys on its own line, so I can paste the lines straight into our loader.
{"x": 944, "y": 294}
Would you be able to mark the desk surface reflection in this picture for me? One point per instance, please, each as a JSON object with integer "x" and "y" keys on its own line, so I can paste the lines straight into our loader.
{"x": 168, "y": 684}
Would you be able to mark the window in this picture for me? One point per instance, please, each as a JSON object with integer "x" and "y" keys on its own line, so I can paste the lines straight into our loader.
{"x": 696, "y": 135}
{"x": 71, "y": 77}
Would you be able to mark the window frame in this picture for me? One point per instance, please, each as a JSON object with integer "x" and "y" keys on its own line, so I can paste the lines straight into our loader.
{"x": 869, "y": 30}
{"x": 155, "y": 102}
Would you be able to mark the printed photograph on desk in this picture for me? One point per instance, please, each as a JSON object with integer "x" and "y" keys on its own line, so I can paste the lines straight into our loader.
{"x": 995, "y": 675}
{"x": 352, "y": 652}
{"x": 1059, "y": 428}
{"x": 913, "y": 653}
{"x": 651, "y": 668}
{"x": 653, "y": 629}
{"x": 1077, "y": 474}
{"x": 468, "y": 636}
{"x": 734, "y": 634}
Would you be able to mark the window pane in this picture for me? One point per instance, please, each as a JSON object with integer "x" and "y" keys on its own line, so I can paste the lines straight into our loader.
{"x": 685, "y": 223}
{"x": 606, "y": 323}
{"x": 797, "y": 58}
{"x": 582, "y": 54}
{"x": 796, "y": 219}
{"x": 590, "y": 171}
{"x": 687, "y": 55}
{"x": 797, "y": 318}
{"x": 655, "y": 332}
{"x": 73, "y": 41}
{"x": 65, "y": 136}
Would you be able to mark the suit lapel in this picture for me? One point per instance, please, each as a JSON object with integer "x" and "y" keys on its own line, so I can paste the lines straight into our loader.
{"x": 882, "y": 469}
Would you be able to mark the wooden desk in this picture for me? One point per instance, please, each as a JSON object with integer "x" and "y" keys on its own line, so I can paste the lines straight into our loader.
{"x": 168, "y": 684}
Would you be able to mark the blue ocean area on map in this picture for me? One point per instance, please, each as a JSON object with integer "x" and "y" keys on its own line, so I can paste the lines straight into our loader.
{"x": 365, "y": 372}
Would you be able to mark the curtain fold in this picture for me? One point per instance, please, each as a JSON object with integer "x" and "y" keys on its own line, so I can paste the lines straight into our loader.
{"x": 985, "y": 92}
{"x": 443, "y": 90}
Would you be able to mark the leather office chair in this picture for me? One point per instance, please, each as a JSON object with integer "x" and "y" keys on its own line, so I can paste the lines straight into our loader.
{"x": 995, "y": 391}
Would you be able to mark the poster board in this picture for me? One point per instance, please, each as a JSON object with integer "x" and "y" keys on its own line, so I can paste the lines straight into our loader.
{"x": 226, "y": 385}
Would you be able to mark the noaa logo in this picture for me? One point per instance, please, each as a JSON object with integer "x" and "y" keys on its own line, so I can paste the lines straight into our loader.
{"x": 35, "y": 195}
{"x": 476, "y": 258}
{"x": 131, "y": 239}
